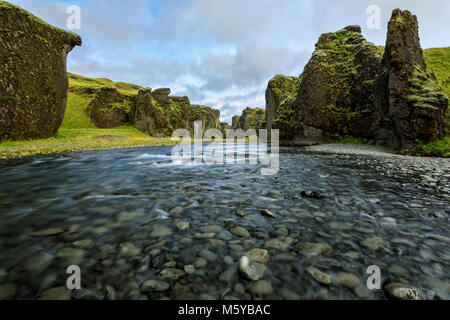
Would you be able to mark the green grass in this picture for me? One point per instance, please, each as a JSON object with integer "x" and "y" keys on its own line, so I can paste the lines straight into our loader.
{"x": 81, "y": 92}
{"x": 82, "y": 139}
{"x": 438, "y": 148}
{"x": 77, "y": 132}
{"x": 438, "y": 59}
{"x": 76, "y": 116}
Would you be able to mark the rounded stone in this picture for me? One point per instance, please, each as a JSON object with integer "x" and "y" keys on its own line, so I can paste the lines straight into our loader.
{"x": 47, "y": 232}
{"x": 261, "y": 288}
{"x": 183, "y": 225}
{"x": 240, "y": 232}
{"x": 83, "y": 244}
{"x": 160, "y": 231}
{"x": 347, "y": 280}
{"x": 258, "y": 255}
{"x": 59, "y": 293}
{"x": 8, "y": 291}
{"x": 401, "y": 291}
{"x": 128, "y": 249}
{"x": 319, "y": 276}
{"x": 154, "y": 285}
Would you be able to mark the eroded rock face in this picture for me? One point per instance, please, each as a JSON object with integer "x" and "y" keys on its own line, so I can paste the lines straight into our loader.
{"x": 279, "y": 88}
{"x": 235, "y": 121}
{"x": 33, "y": 82}
{"x": 407, "y": 92}
{"x": 251, "y": 118}
{"x": 157, "y": 118}
{"x": 110, "y": 108}
{"x": 333, "y": 94}
{"x": 348, "y": 88}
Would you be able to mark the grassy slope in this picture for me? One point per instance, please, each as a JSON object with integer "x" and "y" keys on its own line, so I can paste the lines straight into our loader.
{"x": 438, "y": 59}
{"x": 77, "y": 132}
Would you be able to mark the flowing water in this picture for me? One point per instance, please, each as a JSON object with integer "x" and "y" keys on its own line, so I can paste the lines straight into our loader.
{"x": 116, "y": 214}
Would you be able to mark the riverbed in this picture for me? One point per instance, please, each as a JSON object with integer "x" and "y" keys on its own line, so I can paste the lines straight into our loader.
{"x": 140, "y": 226}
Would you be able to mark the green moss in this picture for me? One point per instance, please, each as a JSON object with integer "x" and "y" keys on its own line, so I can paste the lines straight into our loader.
{"x": 439, "y": 148}
{"x": 32, "y": 18}
{"x": 425, "y": 93}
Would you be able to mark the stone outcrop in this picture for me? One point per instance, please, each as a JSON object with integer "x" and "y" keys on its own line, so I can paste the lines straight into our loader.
{"x": 279, "y": 88}
{"x": 349, "y": 88}
{"x": 409, "y": 104}
{"x": 110, "y": 108}
{"x": 33, "y": 81}
{"x": 158, "y": 114}
{"x": 332, "y": 96}
{"x": 251, "y": 118}
{"x": 235, "y": 121}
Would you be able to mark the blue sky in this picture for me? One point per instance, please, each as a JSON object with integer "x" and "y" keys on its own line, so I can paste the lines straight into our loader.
{"x": 220, "y": 53}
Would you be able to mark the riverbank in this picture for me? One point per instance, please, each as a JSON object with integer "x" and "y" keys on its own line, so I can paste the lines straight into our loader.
{"x": 73, "y": 140}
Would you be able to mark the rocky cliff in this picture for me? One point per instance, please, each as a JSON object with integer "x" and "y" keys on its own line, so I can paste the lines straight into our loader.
{"x": 110, "y": 108}
{"x": 33, "y": 82}
{"x": 349, "y": 88}
{"x": 158, "y": 114}
{"x": 251, "y": 118}
{"x": 409, "y": 103}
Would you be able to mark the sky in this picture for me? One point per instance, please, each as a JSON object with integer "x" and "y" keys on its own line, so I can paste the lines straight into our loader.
{"x": 220, "y": 53}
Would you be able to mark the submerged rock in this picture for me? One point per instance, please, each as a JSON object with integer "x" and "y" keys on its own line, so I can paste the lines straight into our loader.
{"x": 313, "y": 195}
{"x": 261, "y": 288}
{"x": 171, "y": 274}
{"x": 240, "y": 232}
{"x": 48, "y": 232}
{"x": 375, "y": 243}
{"x": 267, "y": 213}
{"x": 347, "y": 280}
{"x": 154, "y": 285}
{"x": 59, "y": 293}
{"x": 401, "y": 291}
{"x": 258, "y": 255}
{"x": 8, "y": 291}
{"x": 319, "y": 276}
{"x": 313, "y": 249}
{"x": 251, "y": 270}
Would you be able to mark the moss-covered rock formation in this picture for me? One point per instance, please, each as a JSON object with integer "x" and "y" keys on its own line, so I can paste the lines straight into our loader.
{"x": 251, "y": 118}
{"x": 110, "y": 108}
{"x": 235, "y": 121}
{"x": 350, "y": 87}
{"x": 33, "y": 82}
{"x": 333, "y": 95}
{"x": 158, "y": 114}
{"x": 279, "y": 88}
{"x": 409, "y": 102}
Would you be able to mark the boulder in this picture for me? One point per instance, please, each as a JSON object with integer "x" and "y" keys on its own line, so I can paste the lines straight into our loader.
{"x": 110, "y": 108}
{"x": 33, "y": 82}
